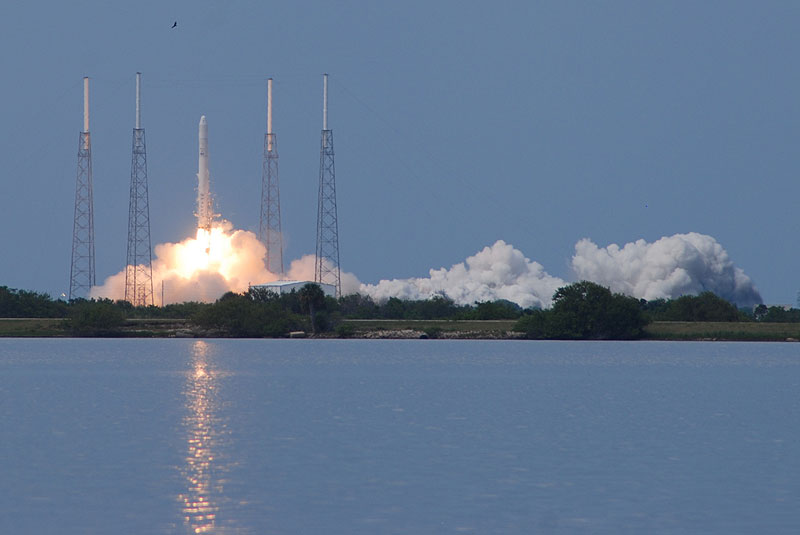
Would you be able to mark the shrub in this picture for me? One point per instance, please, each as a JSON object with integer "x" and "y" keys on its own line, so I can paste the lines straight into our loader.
{"x": 433, "y": 332}
{"x": 240, "y": 316}
{"x": 345, "y": 330}
{"x": 586, "y": 311}
{"x": 95, "y": 318}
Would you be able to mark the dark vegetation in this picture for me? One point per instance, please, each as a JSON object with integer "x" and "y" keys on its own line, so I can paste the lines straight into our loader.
{"x": 703, "y": 307}
{"x": 241, "y": 316}
{"x": 25, "y": 304}
{"x": 99, "y": 318}
{"x": 582, "y": 310}
{"x": 586, "y": 311}
{"x": 776, "y": 314}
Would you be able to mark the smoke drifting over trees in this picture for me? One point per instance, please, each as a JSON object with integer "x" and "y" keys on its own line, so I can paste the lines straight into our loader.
{"x": 496, "y": 272}
{"x": 683, "y": 264}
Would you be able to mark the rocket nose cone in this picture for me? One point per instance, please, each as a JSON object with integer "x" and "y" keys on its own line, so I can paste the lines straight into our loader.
{"x": 203, "y": 119}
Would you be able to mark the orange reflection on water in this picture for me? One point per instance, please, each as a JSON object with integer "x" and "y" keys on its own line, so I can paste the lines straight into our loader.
{"x": 199, "y": 507}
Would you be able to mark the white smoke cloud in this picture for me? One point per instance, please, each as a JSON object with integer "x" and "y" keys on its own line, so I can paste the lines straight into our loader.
{"x": 302, "y": 269}
{"x": 496, "y": 272}
{"x": 683, "y": 264}
{"x": 234, "y": 263}
{"x": 670, "y": 267}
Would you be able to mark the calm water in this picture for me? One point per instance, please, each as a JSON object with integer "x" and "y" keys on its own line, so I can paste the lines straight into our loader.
{"x": 367, "y": 437}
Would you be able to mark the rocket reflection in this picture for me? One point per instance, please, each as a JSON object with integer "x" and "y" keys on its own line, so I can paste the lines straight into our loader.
{"x": 203, "y": 438}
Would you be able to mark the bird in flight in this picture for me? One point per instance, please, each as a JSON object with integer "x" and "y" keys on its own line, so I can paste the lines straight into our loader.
{"x": 175, "y": 24}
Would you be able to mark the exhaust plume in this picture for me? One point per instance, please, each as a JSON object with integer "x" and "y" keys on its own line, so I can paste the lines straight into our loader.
{"x": 201, "y": 268}
{"x": 682, "y": 264}
{"x": 302, "y": 269}
{"x": 496, "y": 272}
{"x": 205, "y": 267}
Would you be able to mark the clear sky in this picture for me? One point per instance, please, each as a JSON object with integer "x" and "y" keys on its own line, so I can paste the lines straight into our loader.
{"x": 456, "y": 123}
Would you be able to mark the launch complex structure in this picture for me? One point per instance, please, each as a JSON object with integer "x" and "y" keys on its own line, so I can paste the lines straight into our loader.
{"x": 138, "y": 271}
{"x": 81, "y": 272}
{"x": 326, "y": 269}
{"x": 326, "y": 265}
{"x": 269, "y": 228}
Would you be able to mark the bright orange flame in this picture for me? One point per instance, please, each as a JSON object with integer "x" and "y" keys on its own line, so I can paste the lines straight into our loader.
{"x": 203, "y": 268}
{"x": 209, "y": 251}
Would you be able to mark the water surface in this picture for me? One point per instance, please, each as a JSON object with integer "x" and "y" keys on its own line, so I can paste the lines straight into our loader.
{"x": 352, "y": 437}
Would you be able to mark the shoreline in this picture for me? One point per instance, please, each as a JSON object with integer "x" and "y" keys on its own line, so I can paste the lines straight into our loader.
{"x": 409, "y": 330}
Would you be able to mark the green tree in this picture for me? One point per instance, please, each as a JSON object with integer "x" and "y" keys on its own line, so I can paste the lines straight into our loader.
{"x": 394, "y": 309}
{"x": 703, "y": 307}
{"x": 437, "y": 307}
{"x": 313, "y": 299}
{"x": 781, "y": 315}
{"x": 238, "y": 315}
{"x": 95, "y": 318}
{"x": 535, "y": 324}
{"x": 586, "y": 311}
{"x": 357, "y": 306}
{"x": 500, "y": 309}
{"x": 260, "y": 294}
{"x": 575, "y": 310}
{"x": 25, "y": 304}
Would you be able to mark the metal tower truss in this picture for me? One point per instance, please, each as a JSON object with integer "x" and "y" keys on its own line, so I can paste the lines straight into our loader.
{"x": 270, "y": 223}
{"x": 326, "y": 268}
{"x": 139, "y": 272}
{"x": 81, "y": 277}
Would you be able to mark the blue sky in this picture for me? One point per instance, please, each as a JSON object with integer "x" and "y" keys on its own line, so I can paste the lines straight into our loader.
{"x": 455, "y": 124}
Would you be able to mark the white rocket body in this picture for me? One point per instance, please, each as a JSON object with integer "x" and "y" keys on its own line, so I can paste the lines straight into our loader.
{"x": 205, "y": 211}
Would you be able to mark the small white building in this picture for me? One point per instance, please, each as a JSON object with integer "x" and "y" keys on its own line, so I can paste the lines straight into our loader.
{"x": 285, "y": 287}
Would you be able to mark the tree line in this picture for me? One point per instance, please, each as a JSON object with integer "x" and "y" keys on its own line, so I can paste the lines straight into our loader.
{"x": 582, "y": 310}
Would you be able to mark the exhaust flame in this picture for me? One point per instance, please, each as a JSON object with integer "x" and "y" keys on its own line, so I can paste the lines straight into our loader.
{"x": 216, "y": 261}
{"x": 202, "y": 268}
{"x": 212, "y": 250}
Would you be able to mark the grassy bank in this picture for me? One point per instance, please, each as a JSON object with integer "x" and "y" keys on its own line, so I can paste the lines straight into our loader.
{"x": 662, "y": 330}
{"x": 31, "y": 327}
{"x": 447, "y": 329}
{"x": 475, "y": 329}
{"x": 53, "y": 328}
{"x": 734, "y": 331}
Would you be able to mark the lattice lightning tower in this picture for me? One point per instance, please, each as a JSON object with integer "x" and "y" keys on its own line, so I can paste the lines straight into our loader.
{"x": 269, "y": 230}
{"x": 138, "y": 271}
{"x": 326, "y": 269}
{"x": 81, "y": 275}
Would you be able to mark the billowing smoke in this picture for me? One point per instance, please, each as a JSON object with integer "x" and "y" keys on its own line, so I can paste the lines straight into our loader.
{"x": 205, "y": 267}
{"x": 496, "y": 272}
{"x": 672, "y": 266}
{"x": 201, "y": 268}
{"x": 302, "y": 269}
{"x": 683, "y": 264}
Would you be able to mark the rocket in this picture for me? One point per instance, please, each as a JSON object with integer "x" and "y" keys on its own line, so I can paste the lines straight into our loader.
{"x": 205, "y": 211}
